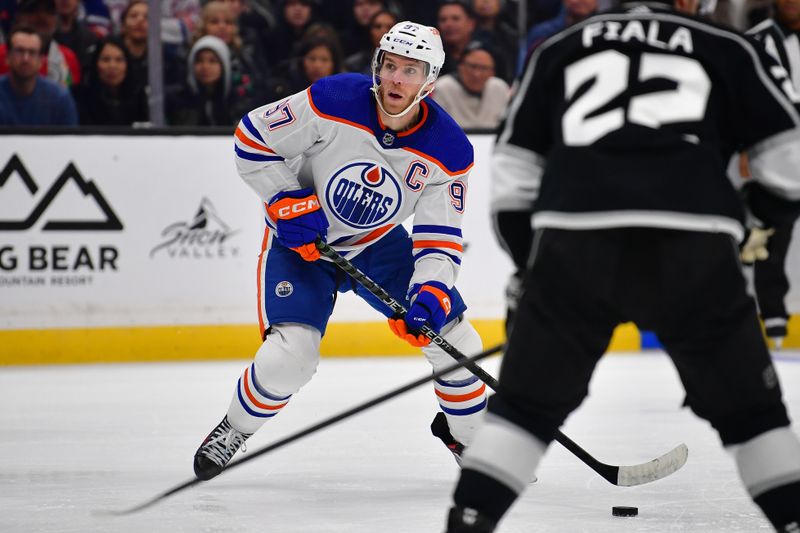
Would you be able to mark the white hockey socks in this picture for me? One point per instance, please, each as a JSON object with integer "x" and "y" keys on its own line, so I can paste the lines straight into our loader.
{"x": 285, "y": 362}
{"x": 461, "y": 395}
{"x": 505, "y": 452}
{"x": 252, "y": 404}
{"x": 769, "y": 466}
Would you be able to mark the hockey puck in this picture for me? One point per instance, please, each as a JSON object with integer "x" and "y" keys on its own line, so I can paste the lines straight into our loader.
{"x": 624, "y": 511}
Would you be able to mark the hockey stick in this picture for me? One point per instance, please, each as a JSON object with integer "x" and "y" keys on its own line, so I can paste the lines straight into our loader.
{"x": 311, "y": 429}
{"x": 624, "y": 476}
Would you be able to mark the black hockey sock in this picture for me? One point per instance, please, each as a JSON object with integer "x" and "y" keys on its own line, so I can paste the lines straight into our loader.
{"x": 782, "y": 507}
{"x": 484, "y": 494}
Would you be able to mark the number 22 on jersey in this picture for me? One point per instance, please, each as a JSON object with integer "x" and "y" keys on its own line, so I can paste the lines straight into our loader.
{"x": 610, "y": 69}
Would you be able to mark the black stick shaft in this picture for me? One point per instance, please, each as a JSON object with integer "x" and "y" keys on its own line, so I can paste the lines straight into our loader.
{"x": 609, "y": 472}
{"x": 360, "y": 408}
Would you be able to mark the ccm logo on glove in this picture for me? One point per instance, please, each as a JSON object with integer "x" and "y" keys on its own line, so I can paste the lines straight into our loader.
{"x": 288, "y": 208}
{"x": 299, "y": 220}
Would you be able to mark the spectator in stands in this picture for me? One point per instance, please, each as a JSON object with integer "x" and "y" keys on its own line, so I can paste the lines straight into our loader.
{"x": 294, "y": 17}
{"x": 320, "y": 56}
{"x": 498, "y": 34}
{"x": 356, "y": 36}
{"x": 134, "y": 35}
{"x": 7, "y": 10}
{"x": 74, "y": 33}
{"x": 206, "y": 98}
{"x": 456, "y": 23}
{"x": 179, "y": 20}
{"x": 473, "y": 96}
{"x": 572, "y": 11}
{"x": 108, "y": 96}
{"x": 248, "y": 69}
{"x": 97, "y": 17}
{"x": 60, "y": 63}
{"x": 253, "y": 20}
{"x": 27, "y": 98}
{"x": 380, "y": 23}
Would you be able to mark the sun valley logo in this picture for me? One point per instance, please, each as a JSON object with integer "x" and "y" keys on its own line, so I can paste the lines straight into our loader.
{"x": 205, "y": 236}
{"x": 70, "y": 175}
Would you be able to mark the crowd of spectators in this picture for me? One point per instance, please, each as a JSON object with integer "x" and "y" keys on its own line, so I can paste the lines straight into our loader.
{"x": 86, "y": 61}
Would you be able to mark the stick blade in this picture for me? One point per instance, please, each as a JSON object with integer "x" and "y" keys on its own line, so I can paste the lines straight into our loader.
{"x": 658, "y": 468}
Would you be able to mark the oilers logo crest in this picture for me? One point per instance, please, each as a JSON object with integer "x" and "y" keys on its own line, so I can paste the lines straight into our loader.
{"x": 363, "y": 195}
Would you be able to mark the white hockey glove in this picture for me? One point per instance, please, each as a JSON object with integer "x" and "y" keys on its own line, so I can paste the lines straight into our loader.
{"x": 755, "y": 248}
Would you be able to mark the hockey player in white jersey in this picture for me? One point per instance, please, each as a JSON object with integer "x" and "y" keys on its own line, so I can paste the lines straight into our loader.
{"x": 348, "y": 160}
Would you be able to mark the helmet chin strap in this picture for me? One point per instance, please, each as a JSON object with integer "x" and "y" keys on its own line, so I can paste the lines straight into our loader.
{"x": 417, "y": 99}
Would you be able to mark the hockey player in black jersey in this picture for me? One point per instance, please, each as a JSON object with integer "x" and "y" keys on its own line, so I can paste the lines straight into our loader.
{"x": 614, "y": 152}
{"x": 780, "y": 36}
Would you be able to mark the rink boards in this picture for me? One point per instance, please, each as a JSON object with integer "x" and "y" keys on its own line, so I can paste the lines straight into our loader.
{"x": 144, "y": 247}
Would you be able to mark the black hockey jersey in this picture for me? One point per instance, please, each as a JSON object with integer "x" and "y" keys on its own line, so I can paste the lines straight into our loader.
{"x": 782, "y": 44}
{"x": 629, "y": 118}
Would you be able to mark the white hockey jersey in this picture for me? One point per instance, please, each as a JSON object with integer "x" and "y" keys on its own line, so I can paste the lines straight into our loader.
{"x": 368, "y": 178}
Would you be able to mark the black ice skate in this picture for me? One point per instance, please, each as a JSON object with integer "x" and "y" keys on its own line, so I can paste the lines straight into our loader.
{"x": 217, "y": 450}
{"x": 463, "y": 520}
{"x": 440, "y": 429}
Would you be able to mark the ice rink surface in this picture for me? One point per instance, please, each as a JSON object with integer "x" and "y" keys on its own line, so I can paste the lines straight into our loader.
{"x": 76, "y": 439}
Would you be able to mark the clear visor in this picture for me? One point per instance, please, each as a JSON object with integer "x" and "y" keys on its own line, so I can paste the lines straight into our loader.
{"x": 396, "y": 69}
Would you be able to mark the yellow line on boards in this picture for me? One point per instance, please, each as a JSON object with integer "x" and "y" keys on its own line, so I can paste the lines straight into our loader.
{"x": 193, "y": 343}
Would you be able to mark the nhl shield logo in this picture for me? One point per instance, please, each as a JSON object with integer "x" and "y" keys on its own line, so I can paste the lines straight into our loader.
{"x": 363, "y": 195}
{"x": 388, "y": 139}
{"x": 284, "y": 289}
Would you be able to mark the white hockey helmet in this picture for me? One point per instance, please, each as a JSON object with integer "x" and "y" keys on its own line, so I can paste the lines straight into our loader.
{"x": 414, "y": 41}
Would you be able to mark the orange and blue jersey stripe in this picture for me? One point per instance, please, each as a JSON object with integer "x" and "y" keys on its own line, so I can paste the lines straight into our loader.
{"x": 461, "y": 398}
{"x": 362, "y": 239}
{"x": 434, "y": 239}
{"x": 256, "y": 400}
{"x": 250, "y": 145}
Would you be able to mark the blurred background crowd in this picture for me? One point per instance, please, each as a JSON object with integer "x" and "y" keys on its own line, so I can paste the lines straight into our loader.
{"x": 86, "y": 62}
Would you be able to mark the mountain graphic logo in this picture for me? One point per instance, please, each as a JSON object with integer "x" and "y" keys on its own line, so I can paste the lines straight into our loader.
{"x": 205, "y": 213}
{"x": 198, "y": 236}
{"x": 70, "y": 173}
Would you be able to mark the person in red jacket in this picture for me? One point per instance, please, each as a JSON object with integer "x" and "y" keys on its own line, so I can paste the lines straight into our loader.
{"x": 60, "y": 63}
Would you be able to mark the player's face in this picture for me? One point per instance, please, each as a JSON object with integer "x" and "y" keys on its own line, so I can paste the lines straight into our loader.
{"x": 401, "y": 80}
{"x": 111, "y": 66}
